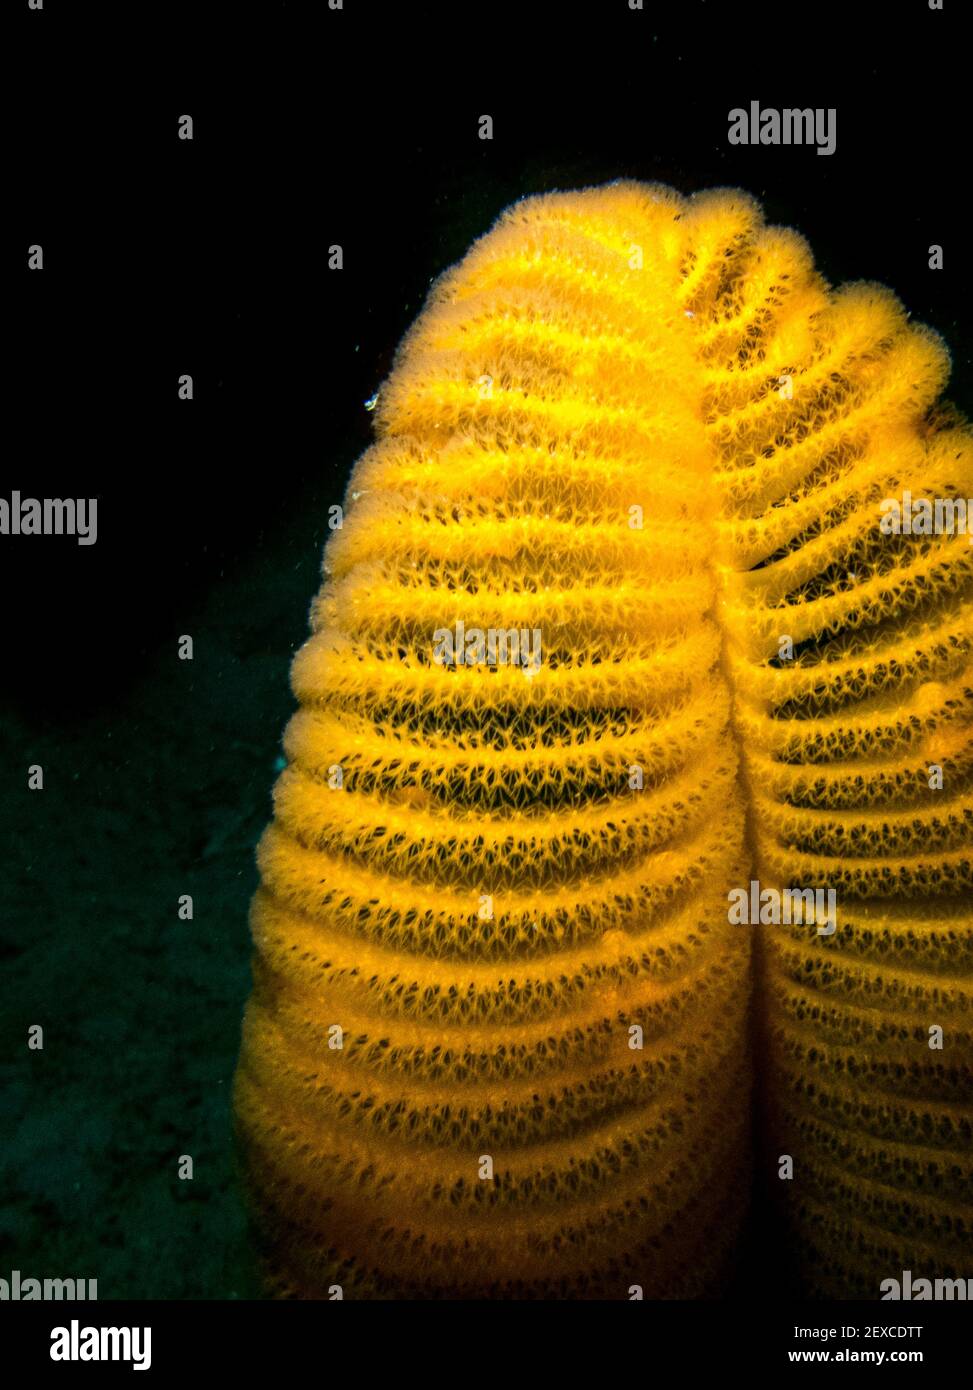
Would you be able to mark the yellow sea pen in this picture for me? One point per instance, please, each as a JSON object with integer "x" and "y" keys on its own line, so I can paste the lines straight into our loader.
{"x": 549, "y": 719}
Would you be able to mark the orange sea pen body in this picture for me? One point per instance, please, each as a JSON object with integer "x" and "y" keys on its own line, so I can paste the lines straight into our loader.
{"x": 498, "y": 1039}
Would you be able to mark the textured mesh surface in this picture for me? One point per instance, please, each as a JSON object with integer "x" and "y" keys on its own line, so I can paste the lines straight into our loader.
{"x": 517, "y": 868}
{"x": 838, "y": 745}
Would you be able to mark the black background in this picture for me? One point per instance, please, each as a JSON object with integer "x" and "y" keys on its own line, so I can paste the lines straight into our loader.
{"x": 359, "y": 128}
